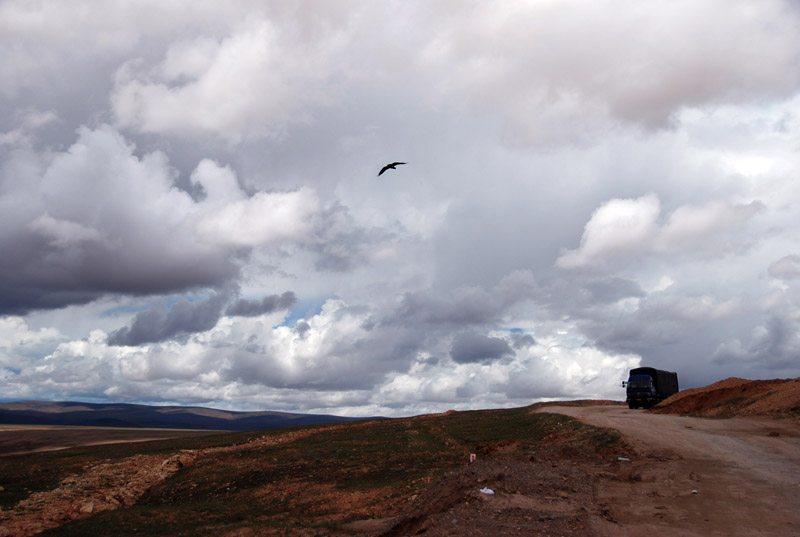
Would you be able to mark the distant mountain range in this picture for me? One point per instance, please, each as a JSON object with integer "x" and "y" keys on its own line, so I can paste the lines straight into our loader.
{"x": 146, "y": 416}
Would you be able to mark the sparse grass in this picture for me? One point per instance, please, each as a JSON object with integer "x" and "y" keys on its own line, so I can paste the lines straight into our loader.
{"x": 20, "y": 475}
{"x": 314, "y": 484}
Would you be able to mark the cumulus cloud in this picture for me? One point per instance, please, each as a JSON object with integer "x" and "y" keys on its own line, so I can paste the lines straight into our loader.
{"x": 604, "y": 186}
{"x": 180, "y": 319}
{"x": 622, "y": 228}
{"x": 19, "y": 343}
{"x": 248, "y": 84}
{"x": 618, "y": 227}
{"x": 334, "y": 359}
{"x": 81, "y": 224}
{"x": 470, "y": 347}
{"x": 774, "y": 345}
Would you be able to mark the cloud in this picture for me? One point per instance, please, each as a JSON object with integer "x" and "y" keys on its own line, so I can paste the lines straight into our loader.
{"x": 268, "y": 304}
{"x": 470, "y": 347}
{"x": 63, "y": 233}
{"x": 19, "y": 344}
{"x": 80, "y": 224}
{"x": 520, "y": 341}
{"x": 336, "y": 356}
{"x": 465, "y": 306}
{"x": 692, "y": 225}
{"x": 180, "y": 319}
{"x": 656, "y": 60}
{"x": 618, "y": 227}
{"x": 786, "y": 268}
{"x": 622, "y": 228}
{"x": 774, "y": 345}
{"x": 260, "y": 219}
{"x": 604, "y": 186}
{"x": 249, "y": 84}
{"x": 30, "y": 121}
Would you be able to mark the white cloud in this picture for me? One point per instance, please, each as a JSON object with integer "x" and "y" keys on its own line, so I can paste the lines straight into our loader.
{"x": 622, "y": 228}
{"x": 20, "y": 344}
{"x": 691, "y": 224}
{"x": 333, "y": 354}
{"x": 248, "y": 85}
{"x": 638, "y": 64}
{"x": 618, "y": 227}
{"x": 262, "y": 219}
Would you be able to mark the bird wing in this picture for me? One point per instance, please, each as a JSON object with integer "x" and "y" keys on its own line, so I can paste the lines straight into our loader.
{"x": 390, "y": 167}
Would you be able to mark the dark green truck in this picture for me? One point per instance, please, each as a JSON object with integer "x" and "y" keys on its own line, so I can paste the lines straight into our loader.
{"x": 647, "y": 386}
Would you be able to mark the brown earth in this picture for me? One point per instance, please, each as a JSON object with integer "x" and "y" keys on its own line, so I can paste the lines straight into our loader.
{"x": 737, "y": 397}
{"x": 106, "y": 486}
{"x": 697, "y": 477}
{"x": 17, "y": 439}
{"x": 672, "y": 475}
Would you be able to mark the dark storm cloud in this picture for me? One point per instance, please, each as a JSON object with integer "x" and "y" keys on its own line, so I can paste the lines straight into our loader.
{"x": 252, "y": 308}
{"x": 470, "y": 347}
{"x": 161, "y": 323}
{"x": 96, "y": 219}
{"x": 51, "y": 278}
{"x": 774, "y": 346}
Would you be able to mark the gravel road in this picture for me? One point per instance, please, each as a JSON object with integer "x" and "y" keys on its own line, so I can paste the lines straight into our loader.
{"x": 698, "y": 476}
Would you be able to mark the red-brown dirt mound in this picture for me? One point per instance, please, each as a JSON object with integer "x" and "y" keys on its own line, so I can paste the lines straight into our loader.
{"x": 737, "y": 397}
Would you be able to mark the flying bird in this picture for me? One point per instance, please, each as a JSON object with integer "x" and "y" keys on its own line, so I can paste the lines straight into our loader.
{"x": 391, "y": 166}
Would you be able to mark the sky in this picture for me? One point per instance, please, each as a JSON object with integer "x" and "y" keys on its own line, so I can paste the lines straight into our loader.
{"x": 191, "y": 214}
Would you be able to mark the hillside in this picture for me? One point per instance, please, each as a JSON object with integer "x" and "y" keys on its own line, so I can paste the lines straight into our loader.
{"x": 382, "y": 477}
{"x": 146, "y": 416}
{"x": 736, "y": 397}
{"x": 536, "y": 473}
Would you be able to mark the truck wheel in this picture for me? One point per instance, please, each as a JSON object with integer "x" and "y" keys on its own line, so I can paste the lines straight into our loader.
{"x": 631, "y": 406}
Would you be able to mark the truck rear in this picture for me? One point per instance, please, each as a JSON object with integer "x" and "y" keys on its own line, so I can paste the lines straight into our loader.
{"x": 647, "y": 386}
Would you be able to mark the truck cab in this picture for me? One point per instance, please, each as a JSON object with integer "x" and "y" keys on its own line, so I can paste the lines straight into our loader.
{"x": 640, "y": 391}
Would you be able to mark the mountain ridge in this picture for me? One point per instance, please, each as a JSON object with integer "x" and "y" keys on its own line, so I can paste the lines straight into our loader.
{"x": 134, "y": 415}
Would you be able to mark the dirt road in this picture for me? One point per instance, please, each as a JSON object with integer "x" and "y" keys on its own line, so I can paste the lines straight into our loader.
{"x": 697, "y": 476}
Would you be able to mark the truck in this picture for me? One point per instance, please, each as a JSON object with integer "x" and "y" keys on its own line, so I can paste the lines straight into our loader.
{"x": 648, "y": 386}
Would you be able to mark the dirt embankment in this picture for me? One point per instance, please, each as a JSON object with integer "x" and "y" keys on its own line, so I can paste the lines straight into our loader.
{"x": 737, "y": 397}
